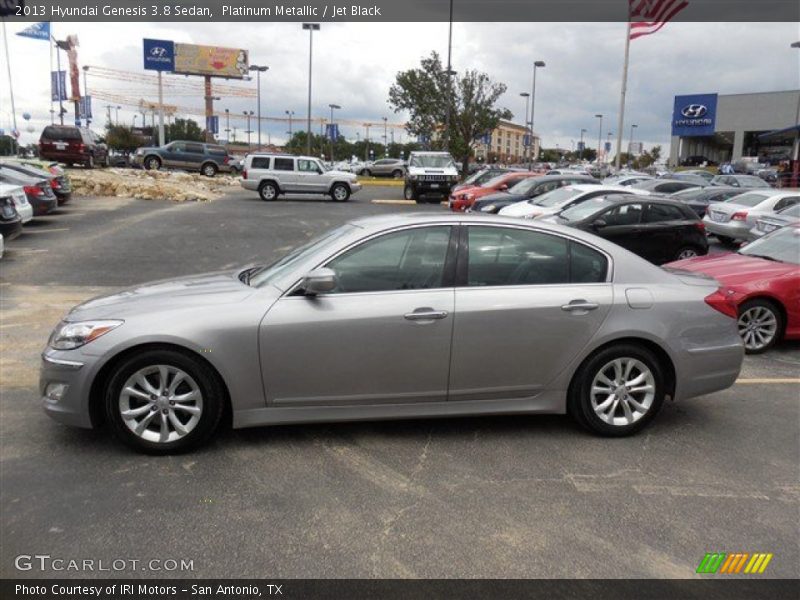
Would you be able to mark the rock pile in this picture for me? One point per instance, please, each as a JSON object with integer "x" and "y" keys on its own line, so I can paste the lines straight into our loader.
{"x": 150, "y": 185}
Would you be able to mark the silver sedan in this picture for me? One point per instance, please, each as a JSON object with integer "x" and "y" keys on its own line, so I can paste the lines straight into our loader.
{"x": 396, "y": 317}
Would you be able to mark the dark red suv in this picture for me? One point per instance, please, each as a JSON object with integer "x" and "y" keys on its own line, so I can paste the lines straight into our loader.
{"x": 72, "y": 145}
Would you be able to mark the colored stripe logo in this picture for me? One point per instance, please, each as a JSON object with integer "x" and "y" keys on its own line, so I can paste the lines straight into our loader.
{"x": 734, "y": 563}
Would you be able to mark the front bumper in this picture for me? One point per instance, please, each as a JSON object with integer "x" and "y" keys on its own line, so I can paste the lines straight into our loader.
{"x": 738, "y": 230}
{"x": 430, "y": 188}
{"x": 355, "y": 186}
{"x": 71, "y": 376}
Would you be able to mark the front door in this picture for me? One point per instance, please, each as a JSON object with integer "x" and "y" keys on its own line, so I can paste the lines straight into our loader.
{"x": 623, "y": 227}
{"x": 528, "y": 303}
{"x": 381, "y": 336}
{"x": 309, "y": 176}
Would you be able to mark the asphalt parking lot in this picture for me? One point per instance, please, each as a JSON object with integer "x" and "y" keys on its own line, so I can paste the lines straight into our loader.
{"x": 512, "y": 497}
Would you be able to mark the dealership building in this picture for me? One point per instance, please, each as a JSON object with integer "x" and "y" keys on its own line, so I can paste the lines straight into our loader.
{"x": 730, "y": 127}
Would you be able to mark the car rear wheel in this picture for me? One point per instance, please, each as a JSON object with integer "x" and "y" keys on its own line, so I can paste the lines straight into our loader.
{"x": 686, "y": 252}
{"x": 209, "y": 169}
{"x": 340, "y": 192}
{"x": 268, "y": 191}
{"x": 617, "y": 391}
{"x": 760, "y": 325}
{"x": 152, "y": 163}
{"x": 90, "y": 162}
{"x": 163, "y": 402}
{"x": 397, "y": 174}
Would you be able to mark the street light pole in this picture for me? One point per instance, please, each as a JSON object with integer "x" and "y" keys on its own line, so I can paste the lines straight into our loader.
{"x": 449, "y": 81}
{"x": 290, "y": 113}
{"x": 332, "y": 107}
{"x": 525, "y": 149}
{"x": 796, "y": 146}
{"x": 116, "y": 118}
{"x": 630, "y": 144}
{"x": 366, "y": 139}
{"x": 599, "y": 137}
{"x": 311, "y": 27}
{"x": 248, "y": 132}
{"x": 608, "y": 143}
{"x": 582, "y": 132}
{"x": 86, "y": 95}
{"x": 228, "y": 125}
{"x": 385, "y": 138}
{"x": 536, "y": 64}
{"x": 259, "y": 69}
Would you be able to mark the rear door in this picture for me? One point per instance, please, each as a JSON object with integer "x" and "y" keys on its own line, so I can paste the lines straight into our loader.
{"x": 526, "y": 303}
{"x": 284, "y": 168}
{"x": 194, "y": 156}
{"x": 663, "y": 232}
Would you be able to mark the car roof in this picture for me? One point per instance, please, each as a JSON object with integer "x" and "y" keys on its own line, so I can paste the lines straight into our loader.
{"x": 633, "y": 198}
{"x": 580, "y": 176}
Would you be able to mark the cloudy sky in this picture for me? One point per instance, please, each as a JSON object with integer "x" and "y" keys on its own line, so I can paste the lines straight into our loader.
{"x": 355, "y": 64}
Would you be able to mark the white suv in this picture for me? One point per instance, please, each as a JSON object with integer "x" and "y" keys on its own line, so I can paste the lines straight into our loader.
{"x": 273, "y": 174}
{"x": 430, "y": 174}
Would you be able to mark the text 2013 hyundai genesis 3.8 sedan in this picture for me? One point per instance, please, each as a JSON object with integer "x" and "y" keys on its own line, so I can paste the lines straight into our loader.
{"x": 394, "y": 317}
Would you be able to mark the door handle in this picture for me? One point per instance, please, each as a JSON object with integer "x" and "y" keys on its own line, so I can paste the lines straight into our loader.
{"x": 580, "y": 305}
{"x": 425, "y": 314}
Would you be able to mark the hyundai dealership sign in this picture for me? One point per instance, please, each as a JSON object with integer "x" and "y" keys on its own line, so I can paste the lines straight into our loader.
{"x": 694, "y": 115}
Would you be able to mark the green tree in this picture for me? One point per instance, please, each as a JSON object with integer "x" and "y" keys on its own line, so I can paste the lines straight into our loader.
{"x": 7, "y": 145}
{"x": 184, "y": 129}
{"x": 425, "y": 94}
{"x": 122, "y": 138}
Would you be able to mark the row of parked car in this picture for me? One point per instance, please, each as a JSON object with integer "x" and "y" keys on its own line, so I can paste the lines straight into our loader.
{"x": 29, "y": 188}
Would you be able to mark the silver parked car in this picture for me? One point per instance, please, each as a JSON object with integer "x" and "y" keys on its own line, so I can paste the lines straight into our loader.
{"x": 395, "y": 317}
{"x": 272, "y": 175}
{"x": 733, "y": 219}
{"x": 386, "y": 167}
{"x": 768, "y": 224}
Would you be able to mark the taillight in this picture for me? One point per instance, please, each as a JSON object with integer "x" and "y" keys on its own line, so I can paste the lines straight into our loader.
{"x": 81, "y": 147}
{"x": 226, "y": 160}
{"x": 32, "y": 190}
{"x": 739, "y": 216}
{"x": 244, "y": 174}
{"x": 701, "y": 226}
{"x": 722, "y": 301}
{"x": 54, "y": 184}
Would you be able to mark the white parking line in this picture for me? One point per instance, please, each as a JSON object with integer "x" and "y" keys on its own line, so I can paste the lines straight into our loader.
{"x": 27, "y": 230}
{"x": 392, "y": 202}
{"x": 770, "y": 380}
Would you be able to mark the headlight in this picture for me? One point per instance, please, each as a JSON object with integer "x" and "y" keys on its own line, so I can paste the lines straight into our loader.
{"x": 68, "y": 336}
{"x": 488, "y": 208}
{"x": 413, "y": 177}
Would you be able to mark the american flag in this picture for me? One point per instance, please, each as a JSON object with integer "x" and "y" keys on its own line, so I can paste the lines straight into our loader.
{"x": 653, "y": 15}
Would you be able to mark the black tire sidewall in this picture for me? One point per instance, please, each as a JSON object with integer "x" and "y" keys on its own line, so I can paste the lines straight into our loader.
{"x": 579, "y": 403}
{"x": 409, "y": 193}
{"x": 210, "y": 388}
{"x": 261, "y": 189}
{"x": 769, "y": 305}
{"x": 346, "y": 189}
{"x": 149, "y": 161}
{"x": 213, "y": 170}
{"x": 684, "y": 248}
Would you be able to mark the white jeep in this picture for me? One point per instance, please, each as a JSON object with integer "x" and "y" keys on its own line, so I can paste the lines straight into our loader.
{"x": 429, "y": 174}
{"x": 274, "y": 174}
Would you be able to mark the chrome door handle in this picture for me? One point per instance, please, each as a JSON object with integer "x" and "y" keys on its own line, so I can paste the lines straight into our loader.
{"x": 425, "y": 314}
{"x": 580, "y": 305}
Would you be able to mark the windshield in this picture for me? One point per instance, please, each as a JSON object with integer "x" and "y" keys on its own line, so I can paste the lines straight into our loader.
{"x": 752, "y": 181}
{"x": 557, "y": 197}
{"x": 267, "y": 274}
{"x": 432, "y": 161}
{"x": 750, "y": 200}
{"x": 524, "y": 186}
{"x": 585, "y": 209}
{"x": 783, "y": 245}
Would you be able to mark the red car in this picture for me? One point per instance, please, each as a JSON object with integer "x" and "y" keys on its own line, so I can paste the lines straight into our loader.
{"x": 463, "y": 199}
{"x": 760, "y": 284}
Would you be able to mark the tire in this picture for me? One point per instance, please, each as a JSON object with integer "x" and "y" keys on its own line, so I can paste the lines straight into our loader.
{"x": 397, "y": 174}
{"x": 340, "y": 192}
{"x": 760, "y": 325}
{"x": 725, "y": 240}
{"x": 617, "y": 420}
{"x": 686, "y": 252}
{"x": 409, "y": 193}
{"x": 268, "y": 191}
{"x": 367, "y": 173}
{"x": 209, "y": 169}
{"x": 152, "y": 163}
{"x": 90, "y": 162}
{"x": 157, "y": 417}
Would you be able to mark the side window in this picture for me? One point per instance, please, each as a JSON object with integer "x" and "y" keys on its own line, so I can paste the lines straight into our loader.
{"x": 284, "y": 164}
{"x": 586, "y": 264}
{"x": 786, "y": 203}
{"x": 177, "y": 147}
{"x": 662, "y": 212}
{"x": 260, "y": 162}
{"x": 549, "y": 187}
{"x": 412, "y": 259}
{"x": 195, "y": 148}
{"x": 626, "y": 214}
{"x": 306, "y": 166}
{"x": 506, "y": 256}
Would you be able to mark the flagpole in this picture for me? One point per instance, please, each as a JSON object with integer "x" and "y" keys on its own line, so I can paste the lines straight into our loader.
{"x": 52, "y": 104}
{"x": 10, "y": 87}
{"x": 621, "y": 118}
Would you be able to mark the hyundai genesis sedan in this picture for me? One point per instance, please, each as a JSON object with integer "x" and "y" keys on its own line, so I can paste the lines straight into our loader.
{"x": 393, "y": 317}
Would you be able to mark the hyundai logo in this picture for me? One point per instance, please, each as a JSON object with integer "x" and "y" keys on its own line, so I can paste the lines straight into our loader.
{"x": 694, "y": 111}
{"x": 158, "y": 51}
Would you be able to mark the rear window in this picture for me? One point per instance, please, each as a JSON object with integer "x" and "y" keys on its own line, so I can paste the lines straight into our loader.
{"x": 194, "y": 148}
{"x": 259, "y": 162}
{"x": 217, "y": 150}
{"x": 284, "y": 164}
{"x": 54, "y": 132}
{"x": 663, "y": 212}
{"x": 749, "y": 200}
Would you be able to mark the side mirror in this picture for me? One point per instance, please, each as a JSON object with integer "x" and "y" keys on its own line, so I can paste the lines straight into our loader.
{"x": 599, "y": 224}
{"x": 319, "y": 281}
{"x": 504, "y": 187}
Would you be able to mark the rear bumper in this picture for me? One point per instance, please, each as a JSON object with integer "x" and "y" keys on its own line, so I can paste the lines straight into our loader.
{"x": 43, "y": 206}
{"x": 738, "y": 230}
{"x": 703, "y": 369}
{"x": 249, "y": 184}
{"x": 64, "y": 156}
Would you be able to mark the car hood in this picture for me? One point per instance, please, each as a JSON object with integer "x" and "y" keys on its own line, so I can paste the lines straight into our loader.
{"x": 732, "y": 269}
{"x": 221, "y": 287}
{"x": 502, "y": 197}
{"x": 338, "y": 173}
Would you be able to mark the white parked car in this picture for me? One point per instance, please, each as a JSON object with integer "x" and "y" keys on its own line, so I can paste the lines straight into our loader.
{"x": 20, "y": 200}
{"x": 733, "y": 219}
{"x": 272, "y": 175}
{"x": 627, "y": 179}
{"x": 554, "y": 202}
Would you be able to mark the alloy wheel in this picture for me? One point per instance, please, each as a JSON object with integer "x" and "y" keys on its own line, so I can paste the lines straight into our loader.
{"x": 161, "y": 403}
{"x": 623, "y": 391}
{"x": 340, "y": 193}
{"x": 687, "y": 253}
{"x": 757, "y": 327}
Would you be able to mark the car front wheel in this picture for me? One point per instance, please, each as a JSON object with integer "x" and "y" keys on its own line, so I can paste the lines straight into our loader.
{"x": 163, "y": 401}
{"x": 409, "y": 193}
{"x": 760, "y": 325}
{"x": 340, "y": 192}
{"x": 617, "y": 391}
{"x": 152, "y": 163}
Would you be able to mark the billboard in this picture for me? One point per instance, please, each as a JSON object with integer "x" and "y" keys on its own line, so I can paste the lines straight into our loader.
{"x": 694, "y": 115}
{"x": 191, "y": 59}
{"x": 159, "y": 55}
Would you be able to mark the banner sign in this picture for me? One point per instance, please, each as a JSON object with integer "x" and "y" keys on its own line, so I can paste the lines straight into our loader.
{"x": 159, "y": 55}
{"x": 607, "y": 147}
{"x": 332, "y": 131}
{"x": 58, "y": 85}
{"x": 581, "y": 146}
{"x": 85, "y": 107}
{"x": 37, "y": 31}
{"x": 191, "y": 59}
{"x": 694, "y": 115}
{"x": 212, "y": 124}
